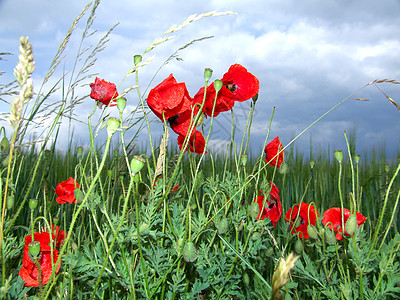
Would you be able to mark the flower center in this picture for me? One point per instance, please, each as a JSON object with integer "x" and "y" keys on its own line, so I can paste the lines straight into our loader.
{"x": 172, "y": 119}
{"x": 232, "y": 87}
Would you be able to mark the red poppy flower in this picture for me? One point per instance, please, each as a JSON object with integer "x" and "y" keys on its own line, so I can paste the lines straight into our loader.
{"x": 333, "y": 217}
{"x": 29, "y": 271}
{"x": 272, "y": 209}
{"x": 238, "y": 85}
{"x": 104, "y": 92}
{"x": 271, "y": 151}
{"x": 222, "y": 104}
{"x": 197, "y": 142}
{"x": 170, "y": 98}
{"x": 300, "y": 216}
{"x": 180, "y": 124}
{"x": 65, "y": 191}
{"x": 59, "y": 235}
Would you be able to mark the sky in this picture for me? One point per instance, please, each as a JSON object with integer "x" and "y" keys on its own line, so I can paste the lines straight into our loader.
{"x": 308, "y": 56}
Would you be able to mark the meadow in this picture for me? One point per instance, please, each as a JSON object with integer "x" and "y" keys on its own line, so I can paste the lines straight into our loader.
{"x": 113, "y": 221}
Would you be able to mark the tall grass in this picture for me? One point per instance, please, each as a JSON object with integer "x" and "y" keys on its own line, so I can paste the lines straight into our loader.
{"x": 194, "y": 233}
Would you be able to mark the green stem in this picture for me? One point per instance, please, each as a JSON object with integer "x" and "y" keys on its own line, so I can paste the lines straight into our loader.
{"x": 122, "y": 219}
{"x": 378, "y": 227}
{"x": 39, "y": 277}
{"x": 81, "y": 206}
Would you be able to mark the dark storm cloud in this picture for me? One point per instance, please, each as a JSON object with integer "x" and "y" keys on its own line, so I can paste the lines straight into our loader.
{"x": 308, "y": 56}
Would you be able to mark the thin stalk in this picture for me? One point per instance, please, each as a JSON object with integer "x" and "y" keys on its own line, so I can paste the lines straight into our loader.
{"x": 352, "y": 173}
{"x": 77, "y": 212}
{"x": 378, "y": 227}
{"x": 124, "y": 210}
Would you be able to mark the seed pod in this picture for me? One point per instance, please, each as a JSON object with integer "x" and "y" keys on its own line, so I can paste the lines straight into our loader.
{"x": 34, "y": 250}
{"x": 189, "y": 252}
{"x": 121, "y": 104}
{"x": 218, "y": 85}
{"x": 137, "y": 163}
{"x": 339, "y": 155}
{"x": 33, "y": 203}
{"x": 112, "y": 125}
{"x": 207, "y": 73}
{"x": 351, "y": 224}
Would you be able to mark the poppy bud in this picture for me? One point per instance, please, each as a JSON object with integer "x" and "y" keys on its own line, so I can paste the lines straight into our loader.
{"x": 4, "y": 144}
{"x": 34, "y": 250}
{"x": 136, "y": 178}
{"x": 144, "y": 229}
{"x": 5, "y": 161}
{"x": 256, "y": 236}
{"x": 298, "y": 246}
{"x": 312, "y": 231}
{"x": 179, "y": 244}
{"x": 10, "y": 201}
{"x": 207, "y": 74}
{"x": 297, "y": 222}
{"x": 339, "y": 155}
{"x": 222, "y": 225}
{"x": 269, "y": 252}
{"x": 121, "y": 104}
{"x": 218, "y": 85}
{"x": 283, "y": 168}
{"x": 351, "y": 224}
{"x": 357, "y": 158}
{"x": 254, "y": 210}
{"x": 137, "y": 163}
{"x": 112, "y": 126}
{"x": 246, "y": 279}
{"x": 33, "y": 203}
{"x": 78, "y": 195}
{"x": 200, "y": 120}
{"x": 330, "y": 237}
{"x": 137, "y": 59}
{"x": 189, "y": 252}
{"x": 255, "y": 98}
{"x": 243, "y": 159}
